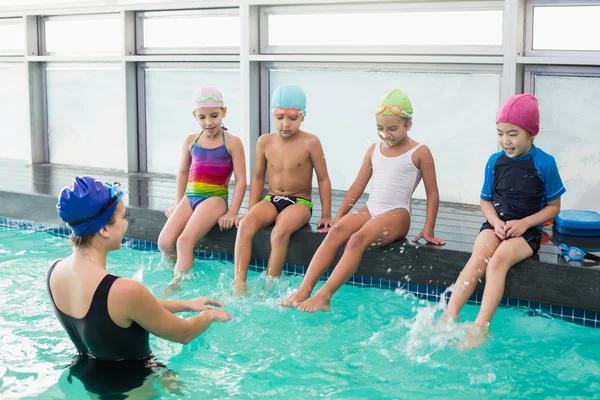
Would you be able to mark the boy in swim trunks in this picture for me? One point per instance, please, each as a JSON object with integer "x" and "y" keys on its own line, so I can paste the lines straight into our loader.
{"x": 521, "y": 191}
{"x": 290, "y": 155}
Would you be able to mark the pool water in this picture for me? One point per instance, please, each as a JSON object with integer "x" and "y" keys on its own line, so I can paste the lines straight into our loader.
{"x": 374, "y": 343}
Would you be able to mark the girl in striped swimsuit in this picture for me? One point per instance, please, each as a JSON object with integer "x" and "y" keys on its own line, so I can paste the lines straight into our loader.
{"x": 208, "y": 161}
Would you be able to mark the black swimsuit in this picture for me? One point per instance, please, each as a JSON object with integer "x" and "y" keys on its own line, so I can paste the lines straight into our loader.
{"x": 96, "y": 335}
{"x": 111, "y": 360}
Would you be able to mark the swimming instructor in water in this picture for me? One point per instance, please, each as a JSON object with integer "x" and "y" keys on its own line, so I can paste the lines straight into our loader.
{"x": 108, "y": 317}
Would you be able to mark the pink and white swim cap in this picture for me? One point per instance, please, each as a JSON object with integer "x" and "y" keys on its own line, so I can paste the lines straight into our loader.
{"x": 207, "y": 97}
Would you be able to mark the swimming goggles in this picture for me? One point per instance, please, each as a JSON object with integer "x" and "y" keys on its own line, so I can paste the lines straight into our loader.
{"x": 394, "y": 109}
{"x": 115, "y": 194}
{"x": 292, "y": 112}
{"x": 576, "y": 254}
{"x": 212, "y": 97}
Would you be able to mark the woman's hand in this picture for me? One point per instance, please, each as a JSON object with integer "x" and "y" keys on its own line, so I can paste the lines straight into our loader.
{"x": 202, "y": 304}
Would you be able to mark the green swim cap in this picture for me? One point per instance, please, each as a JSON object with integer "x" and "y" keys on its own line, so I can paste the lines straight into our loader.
{"x": 395, "y": 102}
{"x": 289, "y": 96}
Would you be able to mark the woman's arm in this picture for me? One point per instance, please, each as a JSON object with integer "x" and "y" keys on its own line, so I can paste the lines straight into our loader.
{"x": 135, "y": 303}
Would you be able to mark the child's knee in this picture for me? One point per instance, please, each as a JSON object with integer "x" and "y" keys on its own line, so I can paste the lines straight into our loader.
{"x": 280, "y": 235}
{"x": 247, "y": 227}
{"x": 185, "y": 241}
{"x": 500, "y": 262}
{"x": 166, "y": 244}
{"x": 357, "y": 241}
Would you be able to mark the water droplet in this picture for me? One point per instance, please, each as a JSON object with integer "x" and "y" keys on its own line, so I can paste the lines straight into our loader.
{"x": 389, "y": 270}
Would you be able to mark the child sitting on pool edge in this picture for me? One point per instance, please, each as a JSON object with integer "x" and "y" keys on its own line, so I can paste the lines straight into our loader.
{"x": 521, "y": 191}
{"x": 396, "y": 163}
{"x": 208, "y": 161}
{"x": 290, "y": 156}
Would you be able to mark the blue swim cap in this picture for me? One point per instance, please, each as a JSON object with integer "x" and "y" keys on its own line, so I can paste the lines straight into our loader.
{"x": 87, "y": 205}
{"x": 289, "y": 96}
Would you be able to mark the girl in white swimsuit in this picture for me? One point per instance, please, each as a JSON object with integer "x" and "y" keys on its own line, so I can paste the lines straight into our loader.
{"x": 396, "y": 165}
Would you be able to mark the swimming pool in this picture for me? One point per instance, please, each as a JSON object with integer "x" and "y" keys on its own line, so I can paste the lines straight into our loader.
{"x": 374, "y": 344}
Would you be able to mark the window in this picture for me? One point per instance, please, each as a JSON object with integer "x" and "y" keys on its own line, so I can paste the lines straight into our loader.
{"x": 169, "y": 119}
{"x": 569, "y": 131}
{"x": 92, "y": 34}
{"x": 200, "y": 31}
{"x": 566, "y": 28}
{"x": 454, "y": 116}
{"x": 85, "y": 111}
{"x": 12, "y": 36}
{"x": 355, "y": 29}
{"x": 14, "y": 134}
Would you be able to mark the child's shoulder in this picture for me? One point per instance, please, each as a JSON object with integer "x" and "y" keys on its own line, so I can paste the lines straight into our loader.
{"x": 191, "y": 138}
{"x": 231, "y": 137}
{"x": 494, "y": 157}
{"x": 541, "y": 155}
{"x": 544, "y": 161}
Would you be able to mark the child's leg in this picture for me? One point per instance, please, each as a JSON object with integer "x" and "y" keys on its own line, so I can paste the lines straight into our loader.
{"x": 509, "y": 253}
{"x": 260, "y": 216}
{"x": 378, "y": 231}
{"x": 288, "y": 221}
{"x": 337, "y": 236}
{"x": 205, "y": 216}
{"x": 173, "y": 227}
{"x": 485, "y": 245}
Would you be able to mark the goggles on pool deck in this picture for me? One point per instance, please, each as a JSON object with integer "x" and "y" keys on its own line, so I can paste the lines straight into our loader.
{"x": 115, "y": 195}
{"x": 292, "y": 112}
{"x": 576, "y": 254}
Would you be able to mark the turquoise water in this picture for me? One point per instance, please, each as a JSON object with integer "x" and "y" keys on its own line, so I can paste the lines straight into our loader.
{"x": 373, "y": 344}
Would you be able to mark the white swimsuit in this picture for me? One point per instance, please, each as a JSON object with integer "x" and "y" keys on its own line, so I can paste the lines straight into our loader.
{"x": 394, "y": 181}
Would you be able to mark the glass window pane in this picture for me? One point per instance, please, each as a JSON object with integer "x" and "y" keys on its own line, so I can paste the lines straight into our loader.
{"x": 14, "y": 134}
{"x": 93, "y": 35}
{"x": 382, "y": 28}
{"x": 454, "y": 131}
{"x": 86, "y": 121}
{"x": 169, "y": 117}
{"x": 566, "y": 28}
{"x": 571, "y": 135}
{"x": 189, "y": 31}
{"x": 12, "y": 36}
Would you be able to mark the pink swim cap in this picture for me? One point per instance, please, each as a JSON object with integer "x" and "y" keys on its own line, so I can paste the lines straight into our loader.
{"x": 521, "y": 110}
{"x": 207, "y": 97}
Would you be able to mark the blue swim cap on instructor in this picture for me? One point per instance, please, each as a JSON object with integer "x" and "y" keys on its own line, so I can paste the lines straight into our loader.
{"x": 87, "y": 205}
{"x": 289, "y": 96}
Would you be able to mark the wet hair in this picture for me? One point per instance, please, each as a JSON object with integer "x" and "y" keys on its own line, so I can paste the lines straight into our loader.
{"x": 404, "y": 120}
{"x": 82, "y": 242}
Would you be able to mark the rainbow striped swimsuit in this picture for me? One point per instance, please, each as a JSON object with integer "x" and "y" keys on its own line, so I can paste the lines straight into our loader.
{"x": 209, "y": 173}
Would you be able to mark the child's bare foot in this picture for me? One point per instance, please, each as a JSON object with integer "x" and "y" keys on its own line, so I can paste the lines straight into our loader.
{"x": 476, "y": 335}
{"x": 240, "y": 288}
{"x": 446, "y": 317}
{"x": 171, "y": 289}
{"x": 294, "y": 300}
{"x": 319, "y": 302}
